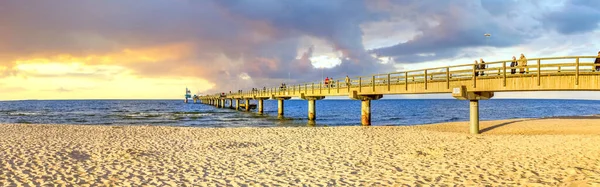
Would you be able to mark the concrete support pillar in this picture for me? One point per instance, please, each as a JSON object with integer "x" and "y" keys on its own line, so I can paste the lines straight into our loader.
{"x": 312, "y": 100}
{"x": 237, "y": 104}
{"x": 474, "y": 108}
{"x": 312, "y": 114}
{"x": 365, "y": 109}
{"x": 280, "y": 107}
{"x": 247, "y": 105}
{"x": 365, "y": 112}
{"x": 463, "y": 94}
{"x": 260, "y": 106}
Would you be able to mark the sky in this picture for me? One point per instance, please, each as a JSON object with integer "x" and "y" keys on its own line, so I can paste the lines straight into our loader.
{"x": 154, "y": 49}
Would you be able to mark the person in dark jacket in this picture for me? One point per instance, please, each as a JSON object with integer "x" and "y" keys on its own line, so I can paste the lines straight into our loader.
{"x": 597, "y": 62}
{"x": 482, "y": 66}
{"x": 513, "y": 64}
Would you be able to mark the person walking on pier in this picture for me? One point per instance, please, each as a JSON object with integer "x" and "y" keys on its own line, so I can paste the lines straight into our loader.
{"x": 597, "y": 62}
{"x": 482, "y": 66}
{"x": 523, "y": 63}
{"x": 513, "y": 64}
{"x": 326, "y": 82}
{"x": 348, "y": 80}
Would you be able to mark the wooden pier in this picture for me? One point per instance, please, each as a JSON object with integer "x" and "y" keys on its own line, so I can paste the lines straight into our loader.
{"x": 571, "y": 73}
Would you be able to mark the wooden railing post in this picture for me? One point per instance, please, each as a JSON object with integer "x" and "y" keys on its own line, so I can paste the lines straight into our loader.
{"x": 337, "y": 86}
{"x": 474, "y": 77}
{"x": 388, "y": 81}
{"x": 312, "y": 87}
{"x": 504, "y": 72}
{"x": 425, "y": 79}
{"x": 321, "y": 88}
{"x": 373, "y": 83}
{"x": 405, "y": 80}
{"x": 577, "y": 71}
{"x": 447, "y": 77}
{"x": 539, "y": 72}
{"x": 359, "y": 84}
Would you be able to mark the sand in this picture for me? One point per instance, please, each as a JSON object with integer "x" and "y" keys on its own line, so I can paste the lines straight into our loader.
{"x": 520, "y": 152}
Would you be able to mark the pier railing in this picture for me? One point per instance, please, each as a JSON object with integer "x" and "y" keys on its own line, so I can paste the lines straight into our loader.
{"x": 536, "y": 67}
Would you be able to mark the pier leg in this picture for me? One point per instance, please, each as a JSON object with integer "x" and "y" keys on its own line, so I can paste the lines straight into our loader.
{"x": 195, "y": 100}
{"x": 231, "y": 103}
{"x": 462, "y": 93}
{"x": 311, "y": 110}
{"x": 237, "y": 104}
{"x": 280, "y": 107}
{"x": 365, "y": 112}
{"x": 474, "y": 107}
{"x": 260, "y": 106}
{"x": 247, "y": 104}
{"x": 365, "y": 106}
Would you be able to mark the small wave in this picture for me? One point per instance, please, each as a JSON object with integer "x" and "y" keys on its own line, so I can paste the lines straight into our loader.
{"x": 395, "y": 118}
{"x": 23, "y": 121}
{"x": 23, "y": 113}
{"x": 452, "y": 119}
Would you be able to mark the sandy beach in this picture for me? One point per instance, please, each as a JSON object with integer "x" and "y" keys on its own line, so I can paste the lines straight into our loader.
{"x": 519, "y": 152}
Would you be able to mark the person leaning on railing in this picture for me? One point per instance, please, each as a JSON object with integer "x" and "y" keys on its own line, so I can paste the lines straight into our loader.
{"x": 597, "y": 62}
{"x": 523, "y": 63}
{"x": 482, "y": 66}
{"x": 513, "y": 64}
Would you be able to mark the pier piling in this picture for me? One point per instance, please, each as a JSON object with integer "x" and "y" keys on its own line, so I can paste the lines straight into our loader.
{"x": 312, "y": 112}
{"x": 247, "y": 105}
{"x": 280, "y": 107}
{"x": 474, "y": 124}
{"x": 365, "y": 112}
{"x": 260, "y": 106}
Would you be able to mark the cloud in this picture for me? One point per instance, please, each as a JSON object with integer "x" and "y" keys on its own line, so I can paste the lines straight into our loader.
{"x": 446, "y": 29}
{"x": 575, "y": 16}
{"x": 237, "y": 44}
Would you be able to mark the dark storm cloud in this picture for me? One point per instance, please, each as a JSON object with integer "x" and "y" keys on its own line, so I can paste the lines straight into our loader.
{"x": 576, "y": 16}
{"x": 444, "y": 32}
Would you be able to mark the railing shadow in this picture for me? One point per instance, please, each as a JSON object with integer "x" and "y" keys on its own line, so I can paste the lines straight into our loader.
{"x": 503, "y": 124}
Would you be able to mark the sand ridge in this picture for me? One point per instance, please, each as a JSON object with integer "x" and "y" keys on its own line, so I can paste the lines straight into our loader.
{"x": 291, "y": 156}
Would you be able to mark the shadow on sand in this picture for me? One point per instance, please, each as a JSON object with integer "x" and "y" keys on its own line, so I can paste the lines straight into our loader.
{"x": 503, "y": 124}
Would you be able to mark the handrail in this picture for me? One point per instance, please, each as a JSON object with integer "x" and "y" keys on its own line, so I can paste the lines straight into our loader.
{"x": 445, "y": 73}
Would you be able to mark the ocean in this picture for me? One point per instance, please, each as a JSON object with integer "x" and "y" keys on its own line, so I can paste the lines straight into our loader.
{"x": 329, "y": 112}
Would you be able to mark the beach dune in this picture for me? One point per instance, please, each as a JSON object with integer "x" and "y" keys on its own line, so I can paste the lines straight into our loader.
{"x": 521, "y": 152}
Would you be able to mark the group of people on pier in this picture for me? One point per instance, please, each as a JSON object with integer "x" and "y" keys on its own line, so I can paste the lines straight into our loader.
{"x": 515, "y": 64}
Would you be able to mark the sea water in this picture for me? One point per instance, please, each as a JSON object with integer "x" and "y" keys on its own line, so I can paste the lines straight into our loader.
{"x": 328, "y": 112}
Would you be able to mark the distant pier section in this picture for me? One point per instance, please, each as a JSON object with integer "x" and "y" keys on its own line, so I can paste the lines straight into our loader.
{"x": 465, "y": 82}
